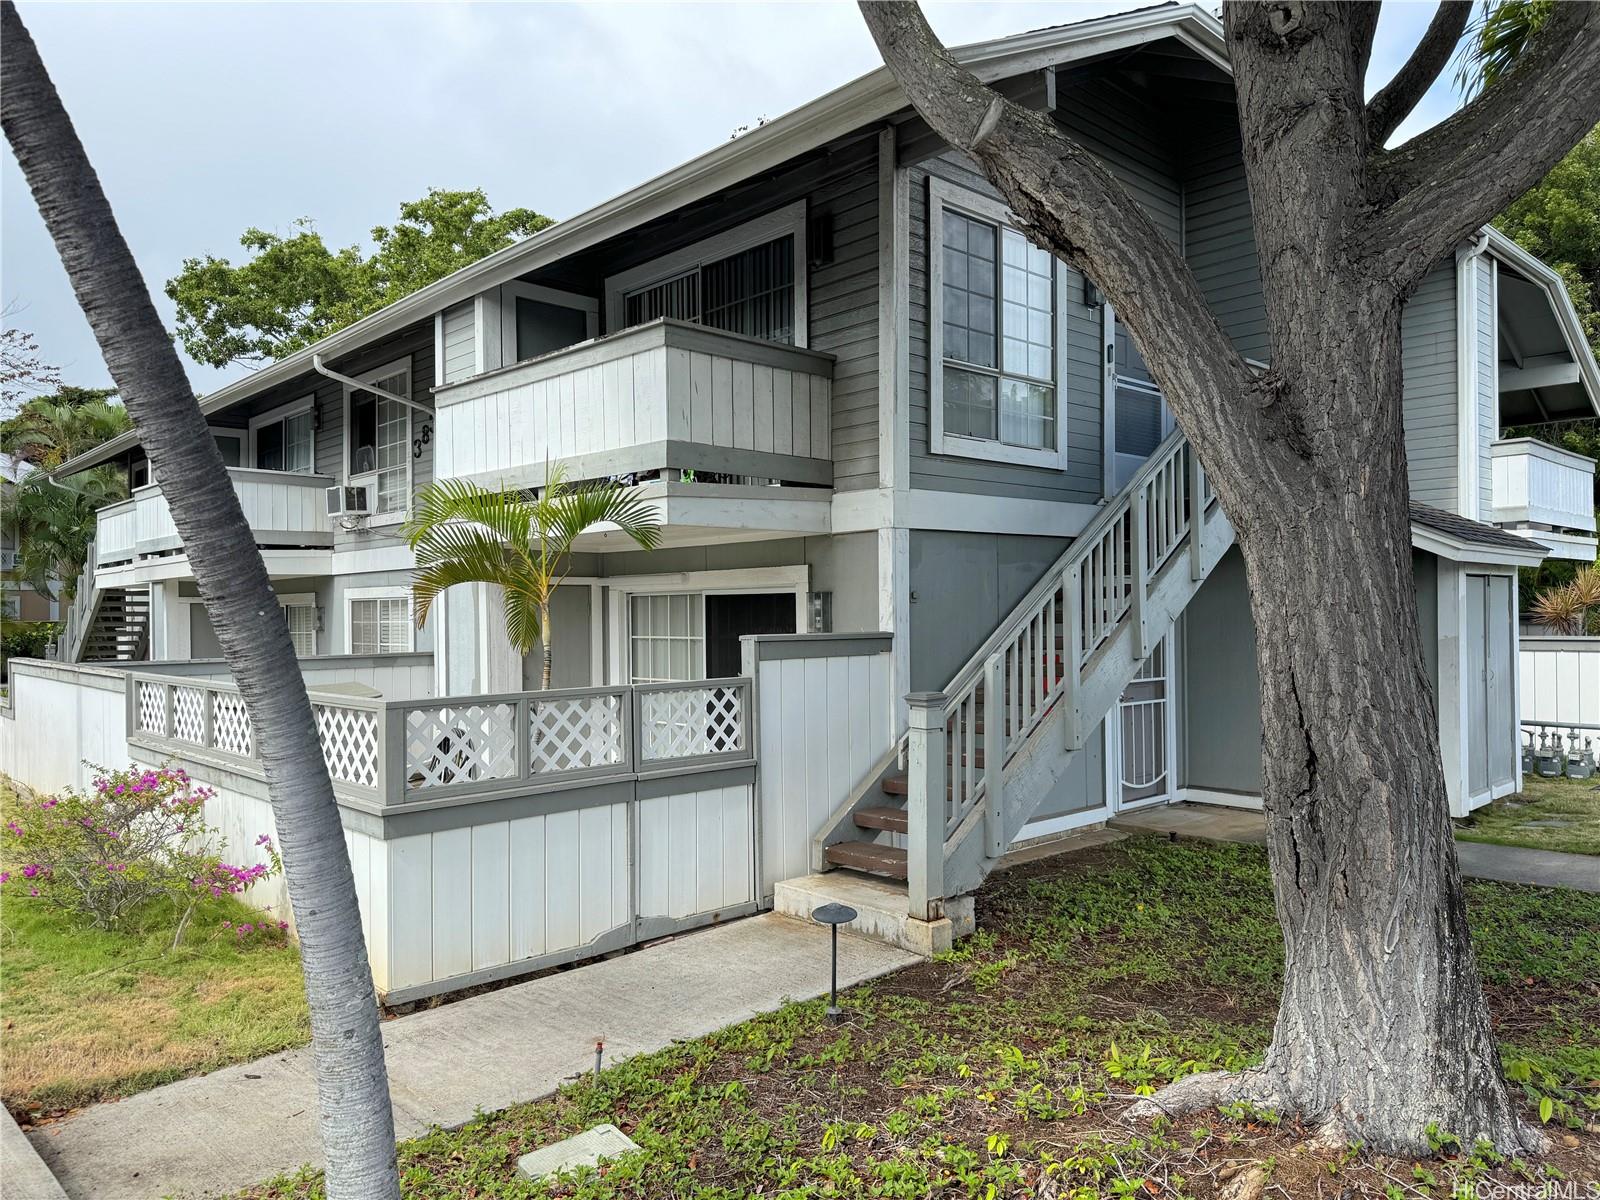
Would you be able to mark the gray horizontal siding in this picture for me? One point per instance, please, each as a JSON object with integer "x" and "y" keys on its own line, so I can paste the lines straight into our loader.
{"x": 843, "y": 311}
{"x": 1428, "y": 357}
{"x": 1219, "y": 239}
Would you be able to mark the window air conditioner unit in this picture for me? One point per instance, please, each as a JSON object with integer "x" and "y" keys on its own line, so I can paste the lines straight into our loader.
{"x": 347, "y": 502}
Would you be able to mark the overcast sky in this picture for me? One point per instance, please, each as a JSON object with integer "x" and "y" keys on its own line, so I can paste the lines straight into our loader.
{"x": 205, "y": 119}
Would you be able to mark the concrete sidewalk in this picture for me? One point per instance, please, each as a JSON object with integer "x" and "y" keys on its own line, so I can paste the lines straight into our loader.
{"x": 1507, "y": 864}
{"x": 227, "y": 1130}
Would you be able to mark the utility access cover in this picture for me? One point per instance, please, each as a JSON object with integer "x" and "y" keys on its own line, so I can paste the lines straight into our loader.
{"x": 584, "y": 1150}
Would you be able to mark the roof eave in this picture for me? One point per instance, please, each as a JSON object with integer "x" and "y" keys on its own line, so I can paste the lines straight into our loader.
{"x": 1443, "y": 545}
{"x": 1546, "y": 277}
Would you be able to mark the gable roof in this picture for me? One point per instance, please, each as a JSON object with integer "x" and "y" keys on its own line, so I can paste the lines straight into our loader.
{"x": 1461, "y": 539}
{"x": 872, "y": 97}
{"x": 1562, "y": 327}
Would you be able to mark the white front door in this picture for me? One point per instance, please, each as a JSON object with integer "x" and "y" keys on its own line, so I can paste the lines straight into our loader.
{"x": 1142, "y": 735}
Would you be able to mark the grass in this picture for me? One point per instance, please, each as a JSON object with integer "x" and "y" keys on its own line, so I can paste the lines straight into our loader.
{"x": 1004, "y": 1069}
{"x": 92, "y": 1015}
{"x": 1548, "y": 814}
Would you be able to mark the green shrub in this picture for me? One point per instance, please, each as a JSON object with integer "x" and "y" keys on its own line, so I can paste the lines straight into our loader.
{"x": 137, "y": 838}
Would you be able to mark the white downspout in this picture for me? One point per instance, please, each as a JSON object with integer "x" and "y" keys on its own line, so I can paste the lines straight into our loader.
{"x": 358, "y": 385}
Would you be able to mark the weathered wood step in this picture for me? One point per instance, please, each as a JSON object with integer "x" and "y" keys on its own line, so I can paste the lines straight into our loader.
{"x": 896, "y": 785}
{"x": 869, "y": 857}
{"x": 881, "y": 817}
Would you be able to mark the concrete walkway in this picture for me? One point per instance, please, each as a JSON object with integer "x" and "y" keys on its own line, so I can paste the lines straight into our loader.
{"x": 1507, "y": 864}
{"x": 227, "y": 1130}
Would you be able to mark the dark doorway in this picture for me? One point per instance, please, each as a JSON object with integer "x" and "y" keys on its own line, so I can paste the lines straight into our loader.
{"x": 728, "y": 618}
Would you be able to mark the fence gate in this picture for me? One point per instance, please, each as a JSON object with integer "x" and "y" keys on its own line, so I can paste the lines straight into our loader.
{"x": 1143, "y": 753}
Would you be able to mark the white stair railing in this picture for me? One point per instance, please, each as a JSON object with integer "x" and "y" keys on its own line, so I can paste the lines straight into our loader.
{"x": 1040, "y": 655}
{"x": 76, "y": 627}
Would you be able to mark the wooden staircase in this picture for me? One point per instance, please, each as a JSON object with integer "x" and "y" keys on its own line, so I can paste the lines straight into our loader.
{"x": 937, "y": 812}
{"x": 118, "y": 628}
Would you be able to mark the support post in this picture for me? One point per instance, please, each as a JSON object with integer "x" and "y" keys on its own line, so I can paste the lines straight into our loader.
{"x": 1140, "y": 570}
{"x": 1072, "y": 657}
{"x": 1197, "y": 516}
{"x": 925, "y": 806}
{"x": 994, "y": 752}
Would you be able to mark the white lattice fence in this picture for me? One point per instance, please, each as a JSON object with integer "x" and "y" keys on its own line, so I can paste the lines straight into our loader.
{"x": 151, "y": 712}
{"x": 577, "y": 733}
{"x": 349, "y": 743}
{"x": 230, "y": 725}
{"x": 189, "y": 715}
{"x": 691, "y": 722}
{"x": 467, "y": 743}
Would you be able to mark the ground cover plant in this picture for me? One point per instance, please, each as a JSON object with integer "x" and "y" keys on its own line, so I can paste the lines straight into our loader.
{"x": 1006, "y": 1068}
{"x": 1547, "y": 814}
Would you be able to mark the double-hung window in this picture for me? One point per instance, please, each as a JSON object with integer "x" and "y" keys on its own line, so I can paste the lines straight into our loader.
{"x": 994, "y": 385}
{"x": 750, "y": 280}
{"x": 282, "y": 440}
{"x": 380, "y": 625}
{"x": 302, "y": 622}
{"x": 380, "y": 439}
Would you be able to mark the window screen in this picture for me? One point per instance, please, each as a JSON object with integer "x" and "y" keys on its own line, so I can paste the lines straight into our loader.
{"x": 380, "y": 626}
{"x": 751, "y": 292}
{"x": 302, "y": 622}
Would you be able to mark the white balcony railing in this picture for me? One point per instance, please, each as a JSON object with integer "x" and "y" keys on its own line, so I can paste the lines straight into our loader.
{"x": 666, "y": 395}
{"x": 1540, "y": 485}
{"x": 284, "y": 509}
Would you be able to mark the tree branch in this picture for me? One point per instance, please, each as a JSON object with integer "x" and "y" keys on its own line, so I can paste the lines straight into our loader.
{"x": 1397, "y": 98}
{"x": 1070, "y": 204}
{"x": 1442, "y": 185}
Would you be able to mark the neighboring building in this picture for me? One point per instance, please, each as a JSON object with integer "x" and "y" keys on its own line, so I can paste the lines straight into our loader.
{"x": 861, "y": 401}
{"x": 18, "y": 600}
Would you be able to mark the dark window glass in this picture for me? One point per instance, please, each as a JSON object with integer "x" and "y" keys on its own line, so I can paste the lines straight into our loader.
{"x": 363, "y": 433}
{"x": 269, "y": 447}
{"x": 543, "y": 327}
{"x": 230, "y": 448}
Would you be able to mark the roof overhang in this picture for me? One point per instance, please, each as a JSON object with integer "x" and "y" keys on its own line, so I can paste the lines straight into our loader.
{"x": 873, "y": 97}
{"x": 1463, "y": 550}
{"x": 1575, "y": 369}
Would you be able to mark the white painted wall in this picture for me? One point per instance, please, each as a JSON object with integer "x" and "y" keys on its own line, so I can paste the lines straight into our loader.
{"x": 1560, "y": 680}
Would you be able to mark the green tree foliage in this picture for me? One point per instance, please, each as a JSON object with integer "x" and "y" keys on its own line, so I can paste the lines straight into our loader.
{"x": 54, "y": 523}
{"x": 48, "y": 430}
{"x": 295, "y": 290}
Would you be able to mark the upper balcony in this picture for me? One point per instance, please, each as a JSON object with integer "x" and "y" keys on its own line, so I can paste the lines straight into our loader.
{"x": 1547, "y": 494}
{"x": 136, "y": 540}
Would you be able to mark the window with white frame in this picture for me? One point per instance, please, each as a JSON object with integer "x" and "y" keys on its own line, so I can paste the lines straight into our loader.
{"x": 994, "y": 329}
{"x": 666, "y": 637}
{"x": 749, "y": 280}
{"x": 302, "y": 622}
{"x": 380, "y": 440}
{"x": 281, "y": 440}
{"x": 380, "y": 625}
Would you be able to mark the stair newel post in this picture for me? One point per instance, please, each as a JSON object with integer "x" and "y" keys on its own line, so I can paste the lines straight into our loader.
{"x": 1197, "y": 515}
{"x": 1140, "y": 572}
{"x": 925, "y": 806}
{"x": 994, "y": 752}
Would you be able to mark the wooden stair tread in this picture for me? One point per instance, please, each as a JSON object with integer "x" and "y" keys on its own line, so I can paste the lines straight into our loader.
{"x": 883, "y": 817}
{"x": 897, "y": 785}
{"x": 868, "y": 856}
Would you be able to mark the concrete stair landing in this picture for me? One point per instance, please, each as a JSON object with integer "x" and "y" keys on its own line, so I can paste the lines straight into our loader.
{"x": 880, "y": 907}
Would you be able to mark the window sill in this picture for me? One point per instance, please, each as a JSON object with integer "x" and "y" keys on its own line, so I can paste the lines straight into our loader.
{"x": 980, "y": 448}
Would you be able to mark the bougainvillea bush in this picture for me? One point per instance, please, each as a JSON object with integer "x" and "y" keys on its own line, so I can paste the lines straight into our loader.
{"x": 136, "y": 840}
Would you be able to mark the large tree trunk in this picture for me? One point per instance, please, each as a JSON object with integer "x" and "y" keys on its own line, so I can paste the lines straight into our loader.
{"x": 352, "y": 1086}
{"x": 1382, "y": 1027}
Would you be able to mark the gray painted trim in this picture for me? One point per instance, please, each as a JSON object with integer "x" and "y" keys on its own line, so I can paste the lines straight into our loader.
{"x": 107, "y": 679}
{"x": 403, "y": 822}
{"x": 657, "y": 456}
{"x": 612, "y": 940}
{"x": 655, "y": 927}
{"x": 1558, "y": 642}
{"x": 653, "y": 787}
{"x": 778, "y": 647}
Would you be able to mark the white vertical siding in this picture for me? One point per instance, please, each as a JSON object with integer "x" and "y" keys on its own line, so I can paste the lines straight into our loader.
{"x": 823, "y": 723}
{"x": 1560, "y": 679}
{"x": 695, "y": 852}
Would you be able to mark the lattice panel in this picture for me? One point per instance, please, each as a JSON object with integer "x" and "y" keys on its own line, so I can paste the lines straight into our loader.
{"x": 188, "y": 715}
{"x": 349, "y": 743}
{"x": 460, "y": 745}
{"x": 230, "y": 725}
{"x": 153, "y": 708}
{"x": 575, "y": 734}
{"x": 692, "y": 722}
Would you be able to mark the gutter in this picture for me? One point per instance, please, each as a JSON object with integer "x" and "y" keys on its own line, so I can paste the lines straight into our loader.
{"x": 871, "y": 97}
{"x": 357, "y": 385}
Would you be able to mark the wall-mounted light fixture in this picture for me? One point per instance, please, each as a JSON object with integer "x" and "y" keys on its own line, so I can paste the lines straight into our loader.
{"x": 1092, "y": 295}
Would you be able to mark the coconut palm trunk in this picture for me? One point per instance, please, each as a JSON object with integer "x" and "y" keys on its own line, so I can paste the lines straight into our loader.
{"x": 352, "y": 1086}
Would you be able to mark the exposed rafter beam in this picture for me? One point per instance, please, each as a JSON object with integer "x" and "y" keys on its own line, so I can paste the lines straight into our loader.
{"x": 1540, "y": 371}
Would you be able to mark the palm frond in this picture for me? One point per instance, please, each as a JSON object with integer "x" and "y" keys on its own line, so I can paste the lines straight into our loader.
{"x": 1559, "y": 609}
{"x": 454, "y": 501}
{"x": 522, "y": 620}
{"x": 563, "y": 517}
{"x": 457, "y": 554}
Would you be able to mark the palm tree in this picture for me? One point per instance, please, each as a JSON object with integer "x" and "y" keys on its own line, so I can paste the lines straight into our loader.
{"x": 463, "y": 533}
{"x": 357, "y": 1121}
{"x": 53, "y": 524}
{"x": 48, "y": 430}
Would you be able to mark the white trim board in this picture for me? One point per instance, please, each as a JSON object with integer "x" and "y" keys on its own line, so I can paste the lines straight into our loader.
{"x": 392, "y": 592}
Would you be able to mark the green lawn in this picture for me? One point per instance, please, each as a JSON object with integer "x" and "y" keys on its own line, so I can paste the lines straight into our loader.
{"x": 1548, "y": 814}
{"x": 1004, "y": 1069}
{"x": 90, "y": 1015}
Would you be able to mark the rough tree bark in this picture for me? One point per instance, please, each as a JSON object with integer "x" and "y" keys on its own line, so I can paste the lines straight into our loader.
{"x": 352, "y": 1086}
{"x": 1382, "y": 1027}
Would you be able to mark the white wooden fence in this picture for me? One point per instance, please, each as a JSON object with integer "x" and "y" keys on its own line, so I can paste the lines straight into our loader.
{"x": 1559, "y": 680}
